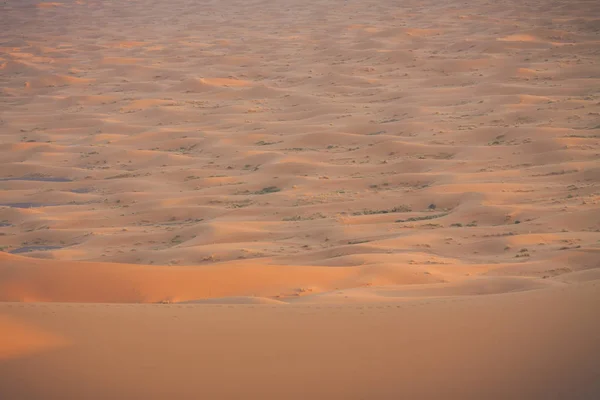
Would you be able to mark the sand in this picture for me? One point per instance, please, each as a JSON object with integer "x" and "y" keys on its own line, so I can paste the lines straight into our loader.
{"x": 540, "y": 344}
{"x": 300, "y": 199}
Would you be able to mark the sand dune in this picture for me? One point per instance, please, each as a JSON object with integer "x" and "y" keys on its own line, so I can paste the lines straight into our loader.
{"x": 420, "y": 178}
{"x": 540, "y": 344}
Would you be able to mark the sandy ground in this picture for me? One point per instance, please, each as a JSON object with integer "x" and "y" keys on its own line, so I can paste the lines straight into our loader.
{"x": 418, "y": 179}
{"x": 540, "y": 344}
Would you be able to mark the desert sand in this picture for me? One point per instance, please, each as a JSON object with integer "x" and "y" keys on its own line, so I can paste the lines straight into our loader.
{"x": 324, "y": 199}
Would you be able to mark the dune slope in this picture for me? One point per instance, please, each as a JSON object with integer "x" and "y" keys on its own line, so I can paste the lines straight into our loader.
{"x": 528, "y": 345}
{"x": 290, "y": 199}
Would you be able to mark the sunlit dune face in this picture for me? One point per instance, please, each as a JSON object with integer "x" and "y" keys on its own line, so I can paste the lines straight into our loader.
{"x": 422, "y": 32}
{"x": 51, "y": 81}
{"x": 20, "y": 339}
{"x": 49, "y": 5}
{"x": 225, "y": 82}
{"x": 144, "y": 104}
{"x": 129, "y": 44}
{"x": 121, "y": 60}
{"x": 518, "y": 38}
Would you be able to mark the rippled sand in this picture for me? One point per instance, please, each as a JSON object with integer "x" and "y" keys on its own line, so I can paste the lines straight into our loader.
{"x": 316, "y": 166}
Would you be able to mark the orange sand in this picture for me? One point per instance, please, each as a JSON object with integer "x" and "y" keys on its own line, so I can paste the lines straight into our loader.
{"x": 329, "y": 199}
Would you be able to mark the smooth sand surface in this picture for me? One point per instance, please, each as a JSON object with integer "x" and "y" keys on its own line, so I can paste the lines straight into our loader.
{"x": 288, "y": 199}
{"x": 541, "y": 344}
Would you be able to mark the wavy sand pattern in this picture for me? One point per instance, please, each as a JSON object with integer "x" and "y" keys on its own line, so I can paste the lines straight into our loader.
{"x": 297, "y": 154}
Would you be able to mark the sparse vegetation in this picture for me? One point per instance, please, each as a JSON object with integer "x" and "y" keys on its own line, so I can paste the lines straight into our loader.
{"x": 176, "y": 240}
{"x": 567, "y": 247}
{"x": 268, "y": 189}
{"x": 297, "y": 149}
{"x": 422, "y": 218}
{"x": 183, "y": 149}
{"x": 522, "y": 253}
{"x": 358, "y": 241}
{"x": 307, "y": 218}
{"x": 383, "y": 186}
{"x": 556, "y": 173}
{"x": 402, "y": 208}
{"x": 240, "y": 204}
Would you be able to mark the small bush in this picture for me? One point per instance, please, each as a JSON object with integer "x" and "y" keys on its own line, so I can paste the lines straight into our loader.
{"x": 423, "y": 218}
{"x": 374, "y": 212}
{"x": 268, "y": 189}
